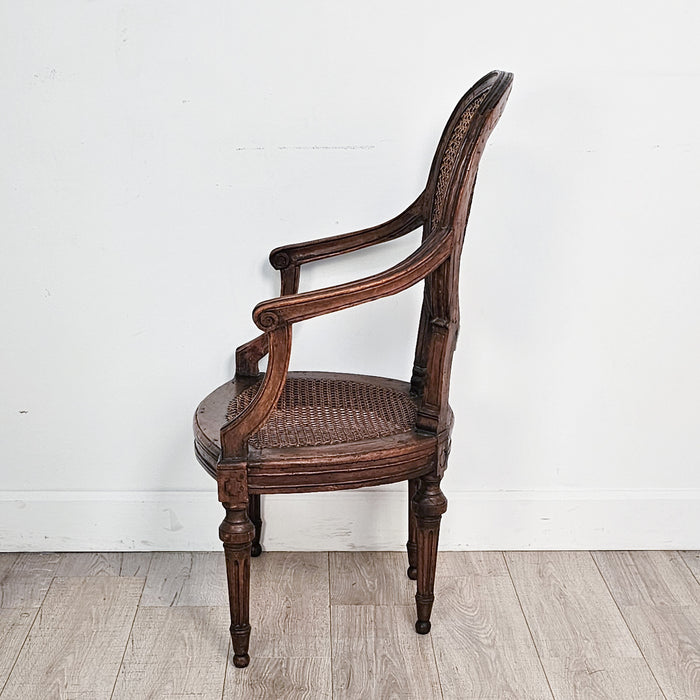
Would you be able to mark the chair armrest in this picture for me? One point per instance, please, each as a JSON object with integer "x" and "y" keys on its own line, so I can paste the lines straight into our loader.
{"x": 249, "y": 354}
{"x": 299, "y": 253}
{"x": 276, "y": 317}
{"x": 276, "y": 313}
{"x": 234, "y": 435}
{"x": 288, "y": 259}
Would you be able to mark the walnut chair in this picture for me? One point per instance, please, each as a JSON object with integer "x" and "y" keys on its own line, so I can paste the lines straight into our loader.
{"x": 294, "y": 432}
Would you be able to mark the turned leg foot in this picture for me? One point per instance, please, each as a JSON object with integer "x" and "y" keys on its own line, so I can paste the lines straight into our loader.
{"x": 254, "y": 513}
{"x": 237, "y": 532}
{"x": 240, "y": 636}
{"x": 411, "y": 546}
{"x": 429, "y": 504}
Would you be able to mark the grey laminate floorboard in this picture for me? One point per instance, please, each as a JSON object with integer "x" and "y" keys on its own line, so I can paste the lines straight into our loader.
{"x": 14, "y": 628}
{"x": 692, "y": 561}
{"x": 370, "y": 578}
{"x": 186, "y": 578}
{"x": 527, "y": 625}
{"x": 481, "y": 639}
{"x": 25, "y": 581}
{"x": 585, "y": 646}
{"x": 377, "y": 654}
{"x": 289, "y": 609}
{"x": 275, "y": 678}
{"x": 660, "y": 600}
{"x": 133, "y": 564}
{"x": 77, "y": 641}
{"x": 290, "y": 645}
{"x": 175, "y": 652}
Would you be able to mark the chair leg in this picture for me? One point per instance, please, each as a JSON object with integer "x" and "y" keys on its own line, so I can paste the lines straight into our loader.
{"x": 411, "y": 546}
{"x": 428, "y": 506}
{"x": 237, "y": 532}
{"x": 255, "y": 515}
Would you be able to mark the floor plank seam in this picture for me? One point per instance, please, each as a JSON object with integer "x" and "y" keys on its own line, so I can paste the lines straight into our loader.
{"x": 29, "y": 631}
{"x": 24, "y": 641}
{"x": 692, "y": 573}
{"x": 527, "y": 623}
{"x": 228, "y": 654}
{"x": 437, "y": 668}
{"x": 330, "y": 624}
{"x": 624, "y": 619}
{"x": 128, "y": 638}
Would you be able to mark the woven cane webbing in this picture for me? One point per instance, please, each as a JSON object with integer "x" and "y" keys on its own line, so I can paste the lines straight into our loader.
{"x": 450, "y": 157}
{"x": 314, "y": 412}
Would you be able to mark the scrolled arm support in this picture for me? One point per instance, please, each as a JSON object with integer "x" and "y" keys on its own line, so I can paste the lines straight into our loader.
{"x": 276, "y": 317}
{"x": 234, "y": 435}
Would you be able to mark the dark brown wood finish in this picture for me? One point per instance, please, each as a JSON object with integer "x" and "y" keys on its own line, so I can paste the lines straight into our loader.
{"x": 287, "y": 432}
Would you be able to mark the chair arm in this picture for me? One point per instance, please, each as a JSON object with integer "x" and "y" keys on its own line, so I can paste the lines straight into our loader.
{"x": 287, "y": 259}
{"x": 299, "y": 253}
{"x": 276, "y": 317}
{"x": 277, "y": 313}
{"x": 234, "y": 435}
{"x": 249, "y": 354}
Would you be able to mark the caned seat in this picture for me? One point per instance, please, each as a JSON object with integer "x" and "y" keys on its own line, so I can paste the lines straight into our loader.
{"x": 286, "y": 432}
{"x": 321, "y": 424}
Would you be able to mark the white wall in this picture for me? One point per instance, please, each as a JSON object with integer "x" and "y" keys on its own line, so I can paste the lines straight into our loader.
{"x": 153, "y": 153}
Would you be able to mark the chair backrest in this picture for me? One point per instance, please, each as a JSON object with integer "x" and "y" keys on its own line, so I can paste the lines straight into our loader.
{"x": 449, "y": 190}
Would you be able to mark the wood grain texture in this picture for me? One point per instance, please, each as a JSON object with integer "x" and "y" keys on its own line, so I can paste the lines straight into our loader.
{"x": 602, "y": 679}
{"x": 77, "y": 641}
{"x": 25, "y": 581}
{"x": 377, "y": 654}
{"x": 660, "y": 600}
{"x": 289, "y": 678}
{"x": 692, "y": 560}
{"x": 576, "y": 625}
{"x": 369, "y": 578}
{"x": 135, "y": 564}
{"x": 132, "y": 564}
{"x": 670, "y": 640}
{"x": 648, "y": 578}
{"x": 186, "y": 578}
{"x": 290, "y": 605}
{"x": 14, "y": 628}
{"x": 482, "y": 643}
{"x": 175, "y": 652}
{"x": 7, "y": 559}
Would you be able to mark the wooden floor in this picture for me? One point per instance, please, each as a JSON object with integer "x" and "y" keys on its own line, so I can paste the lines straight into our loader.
{"x": 520, "y": 625}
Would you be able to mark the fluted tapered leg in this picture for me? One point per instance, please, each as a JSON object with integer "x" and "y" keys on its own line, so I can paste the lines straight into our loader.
{"x": 237, "y": 533}
{"x": 411, "y": 546}
{"x": 256, "y": 518}
{"x": 429, "y": 504}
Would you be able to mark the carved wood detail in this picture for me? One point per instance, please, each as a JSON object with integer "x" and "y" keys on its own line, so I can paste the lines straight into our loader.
{"x": 429, "y": 504}
{"x": 237, "y": 532}
{"x": 417, "y": 450}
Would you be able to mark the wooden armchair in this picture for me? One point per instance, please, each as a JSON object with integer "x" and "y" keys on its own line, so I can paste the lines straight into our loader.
{"x": 291, "y": 432}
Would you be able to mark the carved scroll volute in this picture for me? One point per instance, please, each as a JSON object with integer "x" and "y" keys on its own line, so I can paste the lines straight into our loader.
{"x": 234, "y": 435}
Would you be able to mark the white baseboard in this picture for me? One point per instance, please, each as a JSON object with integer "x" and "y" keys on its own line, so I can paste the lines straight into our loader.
{"x": 361, "y": 520}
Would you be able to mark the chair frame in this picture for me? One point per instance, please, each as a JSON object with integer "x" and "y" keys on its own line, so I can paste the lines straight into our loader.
{"x": 442, "y": 209}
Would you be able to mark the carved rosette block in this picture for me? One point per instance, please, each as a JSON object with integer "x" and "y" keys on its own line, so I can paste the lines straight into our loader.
{"x": 429, "y": 504}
